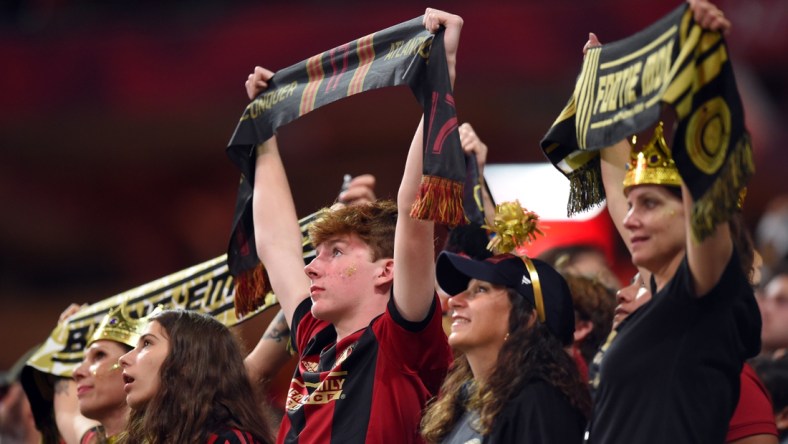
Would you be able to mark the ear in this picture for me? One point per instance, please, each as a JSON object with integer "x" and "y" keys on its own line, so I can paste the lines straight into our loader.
{"x": 386, "y": 272}
{"x": 781, "y": 419}
{"x": 582, "y": 329}
{"x": 532, "y": 319}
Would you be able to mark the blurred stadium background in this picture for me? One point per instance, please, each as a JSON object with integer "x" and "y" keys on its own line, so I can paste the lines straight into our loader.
{"x": 114, "y": 116}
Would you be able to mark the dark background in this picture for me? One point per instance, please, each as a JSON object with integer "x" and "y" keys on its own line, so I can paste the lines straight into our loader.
{"x": 114, "y": 116}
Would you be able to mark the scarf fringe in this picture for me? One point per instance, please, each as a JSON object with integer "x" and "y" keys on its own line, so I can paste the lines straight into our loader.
{"x": 439, "y": 200}
{"x": 585, "y": 188}
{"x": 251, "y": 287}
{"x": 721, "y": 200}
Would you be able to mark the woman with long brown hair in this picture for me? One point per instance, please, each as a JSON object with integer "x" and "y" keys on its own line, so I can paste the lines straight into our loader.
{"x": 185, "y": 382}
{"x": 512, "y": 380}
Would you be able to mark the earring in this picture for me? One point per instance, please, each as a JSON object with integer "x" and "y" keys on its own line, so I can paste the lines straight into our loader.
{"x": 505, "y": 338}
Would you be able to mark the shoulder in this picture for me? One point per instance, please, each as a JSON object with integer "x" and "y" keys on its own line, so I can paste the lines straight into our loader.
{"x": 541, "y": 413}
{"x": 537, "y": 399}
{"x": 753, "y": 414}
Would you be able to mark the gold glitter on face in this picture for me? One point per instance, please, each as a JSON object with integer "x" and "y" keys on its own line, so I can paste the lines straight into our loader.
{"x": 350, "y": 271}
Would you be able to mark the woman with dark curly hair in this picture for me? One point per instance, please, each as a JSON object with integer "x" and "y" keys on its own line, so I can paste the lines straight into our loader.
{"x": 512, "y": 380}
{"x": 185, "y": 381}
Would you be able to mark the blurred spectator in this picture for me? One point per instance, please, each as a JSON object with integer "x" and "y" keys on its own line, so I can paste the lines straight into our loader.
{"x": 771, "y": 234}
{"x": 582, "y": 260}
{"x": 774, "y": 312}
{"x": 17, "y": 425}
{"x": 594, "y": 307}
{"x": 774, "y": 375}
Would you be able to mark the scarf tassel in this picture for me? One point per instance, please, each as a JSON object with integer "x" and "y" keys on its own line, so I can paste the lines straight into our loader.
{"x": 251, "y": 286}
{"x": 721, "y": 200}
{"x": 439, "y": 200}
{"x": 585, "y": 188}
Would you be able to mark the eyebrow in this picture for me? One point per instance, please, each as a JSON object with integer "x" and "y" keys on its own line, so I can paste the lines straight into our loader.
{"x": 334, "y": 241}
{"x": 148, "y": 335}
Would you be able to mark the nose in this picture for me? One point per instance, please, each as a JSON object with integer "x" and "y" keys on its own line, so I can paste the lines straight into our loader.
{"x": 127, "y": 359}
{"x": 457, "y": 300}
{"x": 631, "y": 219}
{"x": 624, "y": 295}
{"x": 80, "y": 372}
{"x": 310, "y": 270}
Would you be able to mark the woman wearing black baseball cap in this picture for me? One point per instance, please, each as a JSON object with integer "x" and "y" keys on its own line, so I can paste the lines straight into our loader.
{"x": 512, "y": 380}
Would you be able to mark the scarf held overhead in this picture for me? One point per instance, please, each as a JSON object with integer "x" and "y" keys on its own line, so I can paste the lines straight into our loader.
{"x": 405, "y": 54}
{"x": 206, "y": 287}
{"x": 620, "y": 92}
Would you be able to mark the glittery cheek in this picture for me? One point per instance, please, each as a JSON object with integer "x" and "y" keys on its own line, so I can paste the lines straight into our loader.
{"x": 349, "y": 271}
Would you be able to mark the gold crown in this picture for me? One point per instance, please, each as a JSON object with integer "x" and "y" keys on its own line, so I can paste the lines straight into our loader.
{"x": 119, "y": 327}
{"x": 652, "y": 163}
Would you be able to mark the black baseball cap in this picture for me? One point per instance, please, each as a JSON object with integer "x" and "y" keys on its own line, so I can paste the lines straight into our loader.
{"x": 454, "y": 271}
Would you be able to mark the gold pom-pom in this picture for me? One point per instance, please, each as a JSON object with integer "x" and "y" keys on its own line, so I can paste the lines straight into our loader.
{"x": 513, "y": 226}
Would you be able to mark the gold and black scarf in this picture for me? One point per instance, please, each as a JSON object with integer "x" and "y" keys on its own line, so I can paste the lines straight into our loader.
{"x": 620, "y": 92}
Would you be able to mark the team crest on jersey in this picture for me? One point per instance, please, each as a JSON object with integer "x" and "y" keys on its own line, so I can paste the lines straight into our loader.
{"x": 323, "y": 392}
{"x": 345, "y": 353}
{"x": 310, "y": 366}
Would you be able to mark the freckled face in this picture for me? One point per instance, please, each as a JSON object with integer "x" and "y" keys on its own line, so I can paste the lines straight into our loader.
{"x": 142, "y": 366}
{"x": 340, "y": 273}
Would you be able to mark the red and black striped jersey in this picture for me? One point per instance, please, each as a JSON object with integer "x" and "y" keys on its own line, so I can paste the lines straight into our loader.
{"x": 370, "y": 387}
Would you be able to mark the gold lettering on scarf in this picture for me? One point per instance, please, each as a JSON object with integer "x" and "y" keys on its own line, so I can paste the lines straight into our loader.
{"x": 617, "y": 90}
{"x": 268, "y": 100}
{"x": 657, "y": 68}
{"x": 401, "y": 48}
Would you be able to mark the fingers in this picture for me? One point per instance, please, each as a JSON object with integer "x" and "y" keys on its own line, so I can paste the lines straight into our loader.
{"x": 471, "y": 143}
{"x": 709, "y": 16}
{"x": 360, "y": 191}
{"x": 257, "y": 81}
{"x": 434, "y": 18}
{"x": 592, "y": 42}
{"x": 70, "y": 311}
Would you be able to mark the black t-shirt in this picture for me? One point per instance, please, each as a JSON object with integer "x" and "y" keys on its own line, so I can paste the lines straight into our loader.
{"x": 540, "y": 413}
{"x": 671, "y": 374}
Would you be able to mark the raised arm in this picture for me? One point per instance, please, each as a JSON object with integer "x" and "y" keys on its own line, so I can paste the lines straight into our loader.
{"x": 613, "y": 168}
{"x": 472, "y": 144}
{"x": 276, "y": 230}
{"x": 414, "y": 251}
{"x": 708, "y": 258}
{"x": 271, "y": 353}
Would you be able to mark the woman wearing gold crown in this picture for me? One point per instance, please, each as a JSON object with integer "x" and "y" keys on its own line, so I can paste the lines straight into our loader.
{"x": 512, "y": 316}
{"x": 99, "y": 382}
{"x": 671, "y": 373}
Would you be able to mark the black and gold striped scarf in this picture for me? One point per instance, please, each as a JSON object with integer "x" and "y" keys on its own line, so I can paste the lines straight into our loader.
{"x": 620, "y": 92}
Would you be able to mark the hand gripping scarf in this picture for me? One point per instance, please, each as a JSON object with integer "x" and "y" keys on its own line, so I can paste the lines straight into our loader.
{"x": 405, "y": 54}
{"x": 619, "y": 92}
